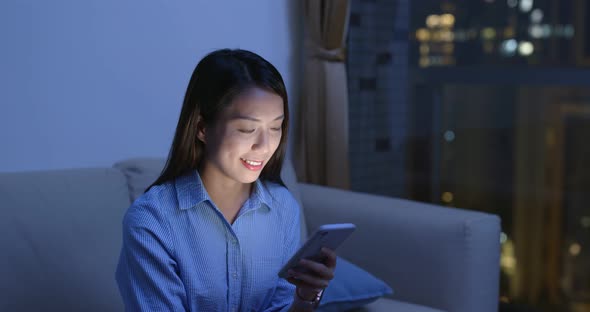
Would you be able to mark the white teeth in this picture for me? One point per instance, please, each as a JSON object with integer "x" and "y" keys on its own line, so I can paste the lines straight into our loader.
{"x": 253, "y": 163}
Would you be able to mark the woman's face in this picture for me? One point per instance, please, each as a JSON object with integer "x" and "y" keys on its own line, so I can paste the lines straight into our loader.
{"x": 246, "y": 136}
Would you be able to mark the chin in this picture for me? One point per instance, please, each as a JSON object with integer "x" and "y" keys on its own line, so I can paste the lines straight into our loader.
{"x": 249, "y": 178}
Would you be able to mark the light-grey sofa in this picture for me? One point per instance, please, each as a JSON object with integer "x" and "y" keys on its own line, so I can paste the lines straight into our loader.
{"x": 61, "y": 238}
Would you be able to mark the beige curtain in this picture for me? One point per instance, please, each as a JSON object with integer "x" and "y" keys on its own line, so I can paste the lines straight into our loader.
{"x": 322, "y": 141}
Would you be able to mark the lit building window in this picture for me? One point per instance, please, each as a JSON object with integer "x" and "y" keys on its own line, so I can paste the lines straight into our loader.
{"x": 518, "y": 32}
{"x": 447, "y": 197}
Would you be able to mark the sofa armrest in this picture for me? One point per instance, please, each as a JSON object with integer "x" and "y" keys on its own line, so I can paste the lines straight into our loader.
{"x": 440, "y": 257}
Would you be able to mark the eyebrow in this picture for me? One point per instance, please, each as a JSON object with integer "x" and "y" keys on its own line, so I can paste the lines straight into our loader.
{"x": 254, "y": 119}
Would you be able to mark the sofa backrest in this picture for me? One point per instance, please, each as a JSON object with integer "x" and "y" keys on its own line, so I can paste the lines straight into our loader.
{"x": 61, "y": 238}
{"x": 61, "y": 234}
{"x": 142, "y": 172}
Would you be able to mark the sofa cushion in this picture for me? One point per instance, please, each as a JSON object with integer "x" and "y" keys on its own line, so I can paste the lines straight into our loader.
{"x": 352, "y": 287}
{"x": 61, "y": 238}
{"x": 387, "y": 305}
{"x": 142, "y": 172}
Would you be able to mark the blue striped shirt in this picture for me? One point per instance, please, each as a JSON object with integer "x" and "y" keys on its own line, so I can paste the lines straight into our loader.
{"x": 180, "y": 254}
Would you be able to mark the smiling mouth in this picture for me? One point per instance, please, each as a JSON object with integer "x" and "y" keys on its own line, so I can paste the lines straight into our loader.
{"x": 252, "y": 162}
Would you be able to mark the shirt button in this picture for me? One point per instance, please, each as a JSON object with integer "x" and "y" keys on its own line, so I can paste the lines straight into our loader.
{"x": 235, "y": 275}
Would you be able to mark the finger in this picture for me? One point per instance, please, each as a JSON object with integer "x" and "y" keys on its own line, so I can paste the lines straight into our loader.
{"x": 296, "y": 282}
{"x": 311, "y": 280}
{"x": 330, "y": 257}
{"x": 318, "y": 268}
{"x": 302, "y": 284}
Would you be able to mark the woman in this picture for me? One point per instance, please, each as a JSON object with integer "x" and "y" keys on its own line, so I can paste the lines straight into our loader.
{"x": 215, "y": 228}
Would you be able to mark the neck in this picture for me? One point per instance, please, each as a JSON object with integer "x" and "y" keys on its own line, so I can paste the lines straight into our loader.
{"x": 228, "y": 195}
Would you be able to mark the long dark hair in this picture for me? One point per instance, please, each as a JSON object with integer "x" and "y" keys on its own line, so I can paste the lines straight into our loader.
{"x": 216, "y": 81}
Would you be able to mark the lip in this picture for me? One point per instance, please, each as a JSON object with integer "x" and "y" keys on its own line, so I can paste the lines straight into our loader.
{"x": 251, "y": 167}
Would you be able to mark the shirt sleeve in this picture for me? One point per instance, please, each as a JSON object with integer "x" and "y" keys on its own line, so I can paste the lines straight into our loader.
{"x": 147, "y": 273}
{"x": 283, "y": 296}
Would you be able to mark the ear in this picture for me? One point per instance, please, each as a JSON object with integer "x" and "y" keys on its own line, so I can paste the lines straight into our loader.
{"x": 201, "y": 130}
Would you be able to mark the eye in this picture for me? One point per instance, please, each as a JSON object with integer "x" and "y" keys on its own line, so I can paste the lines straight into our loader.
{"x": 246, "y": 130}
{"x": 276, "y": 129}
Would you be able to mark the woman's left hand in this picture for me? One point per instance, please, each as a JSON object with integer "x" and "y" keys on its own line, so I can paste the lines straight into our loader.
{"x": 317, "y": 277}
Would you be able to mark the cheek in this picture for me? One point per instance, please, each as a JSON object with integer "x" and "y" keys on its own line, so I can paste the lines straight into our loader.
{"x": 276, "y": 141}
{"x": 236, "y": 143}
{"x": 222, "y": 143}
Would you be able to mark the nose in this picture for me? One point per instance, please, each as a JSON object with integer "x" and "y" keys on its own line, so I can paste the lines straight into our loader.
{"x": 262, "y": 143}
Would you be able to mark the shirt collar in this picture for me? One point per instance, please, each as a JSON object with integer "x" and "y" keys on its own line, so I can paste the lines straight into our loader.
{"x": 260, "y": 191}
{"x": 190, "y": 192}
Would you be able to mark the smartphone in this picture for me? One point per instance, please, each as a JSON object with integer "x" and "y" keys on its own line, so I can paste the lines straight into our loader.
{"x": 329, "y": 235}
